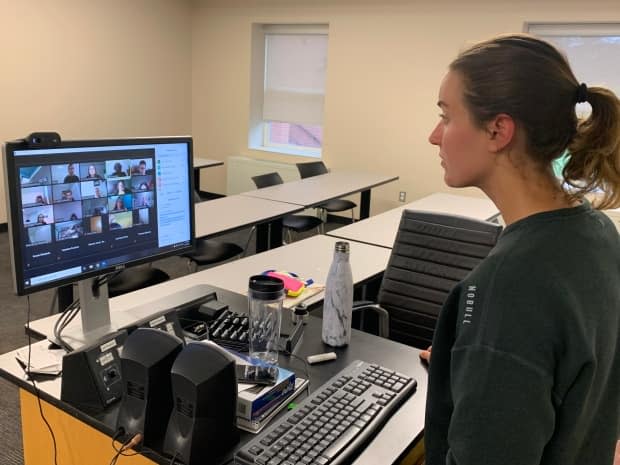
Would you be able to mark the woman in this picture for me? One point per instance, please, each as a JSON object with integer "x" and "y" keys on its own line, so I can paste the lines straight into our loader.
{"x": 119, "y": 205}
{"x": 533, "y": 378}
{"x": 121, "y": 189}
{"x": 92, "y": 173}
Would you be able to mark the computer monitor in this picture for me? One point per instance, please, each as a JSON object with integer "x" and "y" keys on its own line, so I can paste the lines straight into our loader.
{"x": 80, "y": 209}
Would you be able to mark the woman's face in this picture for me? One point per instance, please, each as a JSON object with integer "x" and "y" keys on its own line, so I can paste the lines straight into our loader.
{"x": 121, "y": 186}
{"x": 462, "y": 145}
{"x": 91, "y": 170}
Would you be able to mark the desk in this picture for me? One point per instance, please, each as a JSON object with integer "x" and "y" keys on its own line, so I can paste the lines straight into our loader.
{"x": 199, "y": 164}
{"x": 316, "y": 190}
{"x": 228, "y": 214}
{"x": 381, "y": 229}
{"x": 310, "y": 258}
{"x": 82, "y": 438}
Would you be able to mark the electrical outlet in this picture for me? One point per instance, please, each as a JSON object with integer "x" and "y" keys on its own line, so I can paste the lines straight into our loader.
{"x": 402, "y": 195}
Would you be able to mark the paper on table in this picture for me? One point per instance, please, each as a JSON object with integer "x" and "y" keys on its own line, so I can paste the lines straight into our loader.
{"x": 290, "y": 302}
{"x": 42, "y": 359}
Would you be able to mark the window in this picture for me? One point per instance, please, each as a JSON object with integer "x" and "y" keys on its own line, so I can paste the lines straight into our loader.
{"x": 592, "y": 50}
{"x": 288, "y": 87}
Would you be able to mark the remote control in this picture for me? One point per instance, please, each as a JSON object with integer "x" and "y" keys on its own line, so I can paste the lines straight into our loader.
{"x": 318, "y": 358}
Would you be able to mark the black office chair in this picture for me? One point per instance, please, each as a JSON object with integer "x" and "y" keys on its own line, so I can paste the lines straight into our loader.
{"x": 133, "y": 279}
{"x": 297, "y": 223}
{"x": 211, "y": 251}
{"x": 314, "y": 168}
{"x": 431, "y": 254}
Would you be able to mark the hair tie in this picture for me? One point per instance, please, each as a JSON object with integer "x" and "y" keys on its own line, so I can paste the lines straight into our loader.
{"x": 582, "y": 93}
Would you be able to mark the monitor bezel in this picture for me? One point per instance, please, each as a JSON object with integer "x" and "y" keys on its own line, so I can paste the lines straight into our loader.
{"x": 14, "y": 214}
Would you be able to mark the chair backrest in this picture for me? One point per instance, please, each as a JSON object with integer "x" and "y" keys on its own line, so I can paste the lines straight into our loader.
{"x": 313, "y": 168}
{"x": 266, "y": 180}
{"x": 431, "y": 254}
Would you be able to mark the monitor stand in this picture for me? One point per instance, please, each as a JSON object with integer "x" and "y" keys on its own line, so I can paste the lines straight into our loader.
{"x": 94, "y": 313}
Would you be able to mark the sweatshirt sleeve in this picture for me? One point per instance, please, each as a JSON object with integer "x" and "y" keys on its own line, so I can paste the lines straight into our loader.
{"x": 503, "y": 408}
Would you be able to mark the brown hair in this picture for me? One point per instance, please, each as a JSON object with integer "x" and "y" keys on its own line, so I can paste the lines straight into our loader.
{"x": 530, "y": 80}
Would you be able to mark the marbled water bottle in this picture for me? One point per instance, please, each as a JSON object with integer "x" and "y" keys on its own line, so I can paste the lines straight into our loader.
{"x": 338, "y": 303}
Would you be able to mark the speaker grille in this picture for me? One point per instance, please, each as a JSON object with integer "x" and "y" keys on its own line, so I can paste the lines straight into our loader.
{"x": 135, "y": 390}
{"x": 184, "y": 407}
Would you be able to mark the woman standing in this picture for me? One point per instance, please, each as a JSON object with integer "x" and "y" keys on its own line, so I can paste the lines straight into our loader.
{"x": 531, "y": 376}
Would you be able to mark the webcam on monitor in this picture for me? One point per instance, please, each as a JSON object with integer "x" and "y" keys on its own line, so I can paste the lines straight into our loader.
{"x": 43, "y": 139}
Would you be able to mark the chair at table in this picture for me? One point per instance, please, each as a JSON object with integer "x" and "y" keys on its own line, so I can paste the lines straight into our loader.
{"x": 431, "y": 254}
{"x": 315, "y": 168}
{"x": 133, "y": 279}
{"x": 211, "y": 251}
{"x": 296, "y": 223}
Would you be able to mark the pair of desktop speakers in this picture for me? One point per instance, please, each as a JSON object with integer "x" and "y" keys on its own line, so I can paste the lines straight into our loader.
{"x": 181, "y": 398}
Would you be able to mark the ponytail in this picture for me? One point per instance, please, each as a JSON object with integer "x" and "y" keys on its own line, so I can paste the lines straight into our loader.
{"x": 594, "y": 163}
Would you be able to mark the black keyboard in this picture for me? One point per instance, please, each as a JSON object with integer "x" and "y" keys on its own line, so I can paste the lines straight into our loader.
{"x": 230, "y": 330}
{"x": 334, "y": 424}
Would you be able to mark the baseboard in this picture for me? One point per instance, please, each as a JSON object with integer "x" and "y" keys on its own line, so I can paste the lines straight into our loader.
{"x": 4, "y": 227}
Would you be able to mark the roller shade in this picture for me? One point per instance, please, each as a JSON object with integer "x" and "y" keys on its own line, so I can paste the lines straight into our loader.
{"x": 295, "y": 68}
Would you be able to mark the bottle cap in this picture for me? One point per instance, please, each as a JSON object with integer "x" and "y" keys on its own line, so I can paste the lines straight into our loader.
{"x": 266, "y": 287}
{"x": 342, "y": 246}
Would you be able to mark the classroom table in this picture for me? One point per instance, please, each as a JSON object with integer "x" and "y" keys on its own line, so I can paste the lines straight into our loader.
{"x": 86, "y": 438}
{"x": 381, "y": 229}
{"x": 234, "y": 212}
{"x": 310, "y": 258}
{"x": 199, "y": 164}
{"x": 311, "y": 192}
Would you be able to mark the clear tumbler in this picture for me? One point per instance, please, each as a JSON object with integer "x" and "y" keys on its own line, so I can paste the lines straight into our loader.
{"x": 265, "y": 297}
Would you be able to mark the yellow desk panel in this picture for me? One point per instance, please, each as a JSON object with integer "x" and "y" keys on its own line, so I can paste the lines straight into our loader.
{"x": 76, "y": 442}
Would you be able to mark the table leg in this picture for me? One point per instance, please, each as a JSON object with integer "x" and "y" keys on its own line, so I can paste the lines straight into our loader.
{"x": 365, "y": 204}
{"x": 65, "y": 297}
{"x": 197, "y": 180}
{"x": 262, "y": 237}
{"x": 275, "y": 237}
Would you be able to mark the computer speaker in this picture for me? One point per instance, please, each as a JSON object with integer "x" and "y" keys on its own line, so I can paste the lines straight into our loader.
{"x": 202, "y": 425}
{"x": 146, "y": 360}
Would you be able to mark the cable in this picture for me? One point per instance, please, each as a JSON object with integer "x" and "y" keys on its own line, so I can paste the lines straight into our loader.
{"x": 174, "y": 458}
{"x": 63, "y": 320}
{"x": 306, "y": 366}
{"x": 34, "y": 385}
{"x": 129, "y": 444}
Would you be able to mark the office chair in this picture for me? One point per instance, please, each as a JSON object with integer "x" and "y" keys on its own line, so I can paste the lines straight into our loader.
{"x": 133, "y": 279}
{"x": 297, "y": 223}
{"x": 314, "y": 168}
{"x": 431, "y": 254}
{"x": 210, "y": 251}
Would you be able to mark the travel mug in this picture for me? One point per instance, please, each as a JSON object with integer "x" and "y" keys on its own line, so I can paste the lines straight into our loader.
{"x": 265, "y": 297}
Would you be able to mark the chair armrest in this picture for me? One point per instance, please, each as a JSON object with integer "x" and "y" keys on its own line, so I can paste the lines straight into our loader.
{"x": 382, "y": 313}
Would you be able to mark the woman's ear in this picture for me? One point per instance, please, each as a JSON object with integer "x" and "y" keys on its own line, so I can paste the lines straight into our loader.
{"x": 501, "y": 132}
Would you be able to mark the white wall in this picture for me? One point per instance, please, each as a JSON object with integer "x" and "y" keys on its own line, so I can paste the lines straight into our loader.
{"x": 95, "y": 68}
{"x": 385, "y": 61}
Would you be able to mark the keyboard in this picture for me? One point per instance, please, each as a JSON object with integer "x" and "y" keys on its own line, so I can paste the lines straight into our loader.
{"x": 334, "y": 424}
{"x": 230, "y": 330}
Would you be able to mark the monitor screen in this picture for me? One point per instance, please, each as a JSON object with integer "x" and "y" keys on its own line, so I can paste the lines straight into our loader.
{"x": 85, "y": 208}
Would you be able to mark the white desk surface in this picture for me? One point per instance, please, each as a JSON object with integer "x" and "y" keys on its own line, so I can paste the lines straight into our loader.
{"x": 309, "y": 258}
{"x": 381, "y": 229}
{"x": 235, "y": 211}
{"x": 318, "y": 189}
{"x": 206, "y": 163}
